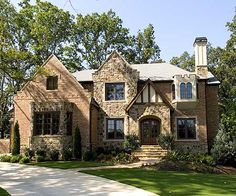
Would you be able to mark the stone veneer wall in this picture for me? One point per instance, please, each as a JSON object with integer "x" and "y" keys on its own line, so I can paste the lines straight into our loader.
{"x": 114, "y": 70}
{"x": 138, "y": 111}
{"x": 4, "y": 146}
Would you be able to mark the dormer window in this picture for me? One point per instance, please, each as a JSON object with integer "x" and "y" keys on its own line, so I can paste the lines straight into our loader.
{"x": 52, "y": 82}
{"x": 114, "y": 91}
{"x": 186, "y": 90}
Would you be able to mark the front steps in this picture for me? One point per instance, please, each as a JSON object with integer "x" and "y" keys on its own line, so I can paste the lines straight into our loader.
{"x": 150, "y": 152}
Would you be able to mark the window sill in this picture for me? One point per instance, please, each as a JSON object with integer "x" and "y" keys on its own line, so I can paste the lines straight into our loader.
{"x": 187, "y": 140}
{"x": 115, "y": 101}
{"x": 113, "y": 140}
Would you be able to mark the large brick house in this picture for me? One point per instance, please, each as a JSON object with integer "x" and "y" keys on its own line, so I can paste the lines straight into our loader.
{"x": 119, "y": 99}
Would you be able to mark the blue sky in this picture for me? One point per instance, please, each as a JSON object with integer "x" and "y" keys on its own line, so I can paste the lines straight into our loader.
{"x": 176, "y": 22}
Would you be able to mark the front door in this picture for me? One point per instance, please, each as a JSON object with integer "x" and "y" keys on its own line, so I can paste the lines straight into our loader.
{"x": 150, "y": 129}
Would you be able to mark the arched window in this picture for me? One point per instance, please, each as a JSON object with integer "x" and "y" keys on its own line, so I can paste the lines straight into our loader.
{"x": 189, "y": 90}
{"x": 182, "y": 91}
{"x": 173, "y": 91}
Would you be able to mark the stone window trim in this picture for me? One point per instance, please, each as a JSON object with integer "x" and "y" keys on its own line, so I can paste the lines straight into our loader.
{"x": 176, "y": 129}
{"x": 52, "y": 83}
{"x": 114, "y": 100}
{"x": 105, "y": 139}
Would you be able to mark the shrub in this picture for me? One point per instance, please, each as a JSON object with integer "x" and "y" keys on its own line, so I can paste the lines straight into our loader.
{"x": 16, "y": 140}
{"x": 16, "y": 158}
{"x": 124, "y": 158}
{"x": 29, "y": 153}
{"x": 39, "y": 158}
{"x": 24, "y": 160}
{"x": 166, "y": 141}
{"x": 5, "y": 158}
{"x": 90, "y": 156}
{"x": 40, "y": 152}
{"x": 131, "y": 142}
{"x": 54, "y": 155}
{"x": 67, "y": 154}
{"x": 77, "y": 146}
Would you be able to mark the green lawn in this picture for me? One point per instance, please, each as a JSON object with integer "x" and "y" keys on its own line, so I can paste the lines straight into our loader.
{"x": 3, "y": 192}
{"x": 172, "y": 183}
{"x": 70, "y": 164}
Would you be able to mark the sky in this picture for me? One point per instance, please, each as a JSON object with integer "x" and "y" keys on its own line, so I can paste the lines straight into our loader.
{"x": 177, "y": 22}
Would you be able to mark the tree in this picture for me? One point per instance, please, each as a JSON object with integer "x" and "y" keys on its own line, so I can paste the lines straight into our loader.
{"x": 16, "y": 140}
{"x": 96, "y": 35}
{"x": 77, "y": 146}
{"x": 145, "y": 49}
{"x": 185, "y": 61}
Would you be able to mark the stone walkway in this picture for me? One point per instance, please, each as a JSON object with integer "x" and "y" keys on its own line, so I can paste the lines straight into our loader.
{"x": 27, "y": 180}
{"x": 131, "y": 165}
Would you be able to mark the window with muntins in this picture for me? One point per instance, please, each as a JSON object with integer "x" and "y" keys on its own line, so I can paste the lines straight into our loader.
{"x": 52, "y": 82}
{"x": 186, "y": 128}
{"x": 114, "y": 91}
{"x": 46, "y": 123}
{"x": 186, "y": 90}
{"x": 115, "y": 128}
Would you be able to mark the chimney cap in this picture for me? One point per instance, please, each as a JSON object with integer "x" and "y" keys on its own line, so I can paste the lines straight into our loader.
{"x": 200, "y": 40}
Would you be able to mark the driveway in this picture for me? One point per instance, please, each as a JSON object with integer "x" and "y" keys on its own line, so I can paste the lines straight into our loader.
{"x": 31, "y": 180}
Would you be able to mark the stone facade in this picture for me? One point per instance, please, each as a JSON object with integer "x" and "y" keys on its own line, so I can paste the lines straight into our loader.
{"x": 87, "y": 102}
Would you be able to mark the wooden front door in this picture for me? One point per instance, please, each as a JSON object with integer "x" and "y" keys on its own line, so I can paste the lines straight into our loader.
{"x": 150, "y": 129}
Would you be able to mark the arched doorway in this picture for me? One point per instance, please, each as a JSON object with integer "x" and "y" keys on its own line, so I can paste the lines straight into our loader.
{"x": 150, "y": 129}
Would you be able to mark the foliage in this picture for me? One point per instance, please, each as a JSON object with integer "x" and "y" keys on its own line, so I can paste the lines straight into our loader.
{"x": 166, "y": 141}
{"x": 124, "y": 158}
{"x": 131, "y": 142}
{"x": 77, "y": 146}
{"x": 16, "y": 158}
{"x": 16, "y": 140}
{"x": 185, "y": 61}
{"x": 40, "y": 152}
{"x": 89, "y": 156}
{"x": 5, "y": 158}
{"x": 67, "y": 154}
{"x": 54, "y": 155}
{"x": 24, "y": 160}
{"x": 190, "y": 157}
{"x": 144, "y": 48}
{"x": 29, "y": 153}
{"x": 39, "y": 158}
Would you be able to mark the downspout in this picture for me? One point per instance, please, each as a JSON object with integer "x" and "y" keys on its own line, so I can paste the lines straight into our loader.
{"x": 90, "y": 127}
{"x": 208, "y": 146}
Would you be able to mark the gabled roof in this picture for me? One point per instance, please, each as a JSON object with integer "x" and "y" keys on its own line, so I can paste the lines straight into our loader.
{"x": 165, "y": 100}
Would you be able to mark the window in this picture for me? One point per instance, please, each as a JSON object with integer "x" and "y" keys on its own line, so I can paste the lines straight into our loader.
{"x": 115, "y": 128}
{"x": 115, "y": 91}
{"x": 52, "y": 82}
{"x": 173, "y": 91}
{"x": 189, "y": 90}
{"x": 182, "y": 91}
{"x": 186, "y": 128}
{"x": 46, "y": 123}
{"x": 186, "y": 91}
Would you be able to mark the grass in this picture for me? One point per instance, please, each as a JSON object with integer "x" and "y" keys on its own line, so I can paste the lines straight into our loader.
{"x": 70, "y": 164}
{"x": 172, "y": 183}
{"x": 3, "y": 192}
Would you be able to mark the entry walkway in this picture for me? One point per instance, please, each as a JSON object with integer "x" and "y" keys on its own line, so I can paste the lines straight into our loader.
{"x": 40, "y": 181}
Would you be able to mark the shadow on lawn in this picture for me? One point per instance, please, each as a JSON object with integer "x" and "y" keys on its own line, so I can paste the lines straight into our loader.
{"x": 173, "y": 183}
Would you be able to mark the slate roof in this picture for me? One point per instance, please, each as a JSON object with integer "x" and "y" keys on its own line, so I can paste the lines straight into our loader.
{"x": 154, "y": 72}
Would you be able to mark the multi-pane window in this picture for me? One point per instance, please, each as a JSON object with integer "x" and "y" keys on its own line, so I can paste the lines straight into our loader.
{"x": 114, "y": 91}
{"x": 46, "y": 123}
{"x": 52, "y": 82}
{"x": 186, "y": 128}
{"x": 186, "y": 90}
{"x": 115, "y": 128}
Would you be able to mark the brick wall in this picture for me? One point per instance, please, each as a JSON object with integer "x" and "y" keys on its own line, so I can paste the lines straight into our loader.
{"x": 69, "y": 91}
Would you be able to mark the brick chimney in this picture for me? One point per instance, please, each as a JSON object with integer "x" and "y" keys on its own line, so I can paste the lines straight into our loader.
{"x": 201, "y": 56}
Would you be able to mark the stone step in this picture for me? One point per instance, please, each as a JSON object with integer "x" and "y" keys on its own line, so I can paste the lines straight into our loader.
{"x": 152, "y": 153}
{"x": 151, "y": 150}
